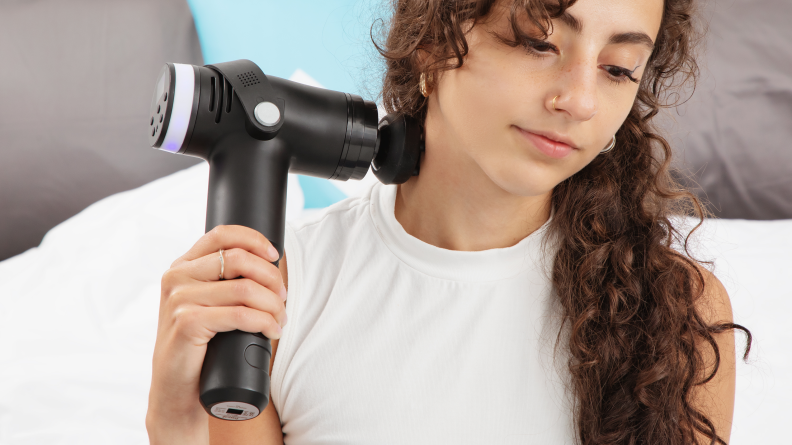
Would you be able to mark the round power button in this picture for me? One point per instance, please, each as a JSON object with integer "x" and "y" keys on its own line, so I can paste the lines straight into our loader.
{"x": 257, "y": 357}
{"x": 267, "y": 113}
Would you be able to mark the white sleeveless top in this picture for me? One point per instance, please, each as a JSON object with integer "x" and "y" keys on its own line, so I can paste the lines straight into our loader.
{"x": 391, "y": 340}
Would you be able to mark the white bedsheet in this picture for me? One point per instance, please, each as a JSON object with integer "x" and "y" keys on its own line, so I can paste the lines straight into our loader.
{"x": 78, "y": 315}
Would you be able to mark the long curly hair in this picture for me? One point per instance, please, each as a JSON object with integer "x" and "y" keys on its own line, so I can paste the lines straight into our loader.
{"x": 628, "y": 295}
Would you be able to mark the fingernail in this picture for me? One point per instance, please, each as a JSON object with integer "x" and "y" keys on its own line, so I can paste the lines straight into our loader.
{"x": 273, "y": 253}
{"x": 285, "y": 319}
{"x": 278, "y": 333}
{"x": 283, "y": 292}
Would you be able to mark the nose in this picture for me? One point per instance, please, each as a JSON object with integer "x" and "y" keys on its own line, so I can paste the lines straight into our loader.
{"x": 577, "y": 90}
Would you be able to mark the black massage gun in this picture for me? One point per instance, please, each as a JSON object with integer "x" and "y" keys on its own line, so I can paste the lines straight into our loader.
{"x": 253, "y": 130}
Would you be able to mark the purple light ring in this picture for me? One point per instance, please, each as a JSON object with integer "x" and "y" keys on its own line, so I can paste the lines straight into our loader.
{"x": 183, "y": 97}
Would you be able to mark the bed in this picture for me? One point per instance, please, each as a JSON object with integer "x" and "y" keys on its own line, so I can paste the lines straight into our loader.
{"x": 79, "y": 314}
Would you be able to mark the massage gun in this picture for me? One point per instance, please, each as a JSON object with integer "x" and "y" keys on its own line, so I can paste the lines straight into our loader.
{"x": 253, "y": 130}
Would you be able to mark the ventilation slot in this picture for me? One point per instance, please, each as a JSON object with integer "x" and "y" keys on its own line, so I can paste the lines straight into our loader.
{"x": 229, "y": 96}
{"x": 220, "y": 92}
{"x": 249, "y": 78}
{"x": 212, "y": 94}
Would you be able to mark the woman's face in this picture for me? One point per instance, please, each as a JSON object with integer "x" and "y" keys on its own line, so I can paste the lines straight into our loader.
{"x": 485, "y": 108}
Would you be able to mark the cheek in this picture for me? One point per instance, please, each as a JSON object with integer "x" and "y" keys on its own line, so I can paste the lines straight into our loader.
{"x": 473, "y": 110}
{"x": 480, "y": 100}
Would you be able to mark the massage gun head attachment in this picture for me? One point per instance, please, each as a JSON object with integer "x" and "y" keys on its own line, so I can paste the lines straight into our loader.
{"x": 399, "y": 148}
{"x": 325, "y": 133}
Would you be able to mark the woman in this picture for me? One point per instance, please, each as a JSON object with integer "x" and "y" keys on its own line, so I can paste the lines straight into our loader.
{"x": 521, "y": 289}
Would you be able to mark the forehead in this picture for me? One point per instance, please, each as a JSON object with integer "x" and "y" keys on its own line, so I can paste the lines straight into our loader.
{"x": 639, "y": 15}
{"x": 597, "y": 18}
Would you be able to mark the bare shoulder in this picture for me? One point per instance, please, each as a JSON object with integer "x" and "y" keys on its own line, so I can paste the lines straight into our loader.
{"x": 265, "y": 429}
{"x": 716, "y": 397}
{"x": 715, "y": 304}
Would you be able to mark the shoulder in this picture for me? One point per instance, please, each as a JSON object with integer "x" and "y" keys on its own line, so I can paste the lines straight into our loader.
{"x": 714, "y": 305}
{"x": 341, "y": 212}
{"x": 715, "y": 395}
{"x": 321, "y": 238}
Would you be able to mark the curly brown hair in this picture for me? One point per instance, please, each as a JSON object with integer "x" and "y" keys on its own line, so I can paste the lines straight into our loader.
{"x": 629, "y": 297}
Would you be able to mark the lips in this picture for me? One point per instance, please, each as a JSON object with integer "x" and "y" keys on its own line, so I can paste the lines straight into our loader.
{"x": 551, "y": 148}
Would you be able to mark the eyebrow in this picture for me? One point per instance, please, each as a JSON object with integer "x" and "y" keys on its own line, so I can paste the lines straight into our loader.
{"x": 634, "y": 37}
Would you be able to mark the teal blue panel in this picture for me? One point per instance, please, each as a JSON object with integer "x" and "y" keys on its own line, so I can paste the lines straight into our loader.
{"x": 319, "y": 193}
{"x": 328, "y": 39}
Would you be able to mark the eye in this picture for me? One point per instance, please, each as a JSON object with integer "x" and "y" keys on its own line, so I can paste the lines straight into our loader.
{"x": 618, "y": 75}
{"x": 538, "y": 48}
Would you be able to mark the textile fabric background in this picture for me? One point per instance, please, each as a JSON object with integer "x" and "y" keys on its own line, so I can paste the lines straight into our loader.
{"x": 76, "y": 86}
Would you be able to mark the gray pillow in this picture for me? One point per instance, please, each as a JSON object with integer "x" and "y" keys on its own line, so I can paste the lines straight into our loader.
{"x": 75, "y": 86}
{"x": 733, "y": 138}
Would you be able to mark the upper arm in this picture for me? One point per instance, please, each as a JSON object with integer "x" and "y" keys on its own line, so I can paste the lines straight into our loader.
{"x": 716, "y": 397}
{"x": 264, "y": 429}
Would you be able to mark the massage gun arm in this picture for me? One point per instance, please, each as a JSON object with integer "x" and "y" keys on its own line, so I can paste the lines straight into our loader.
{"x": 265, "y": 429}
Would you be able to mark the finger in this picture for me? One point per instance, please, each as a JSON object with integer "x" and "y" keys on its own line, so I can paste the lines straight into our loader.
{"x": 227, "y": 318}
{"x": 241, "y": 292}
{"x": 229, "y": 237}
{"x": 236, "y": 263}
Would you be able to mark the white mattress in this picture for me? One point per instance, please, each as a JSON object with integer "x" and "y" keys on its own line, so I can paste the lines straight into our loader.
{"x": 78, "y": 315}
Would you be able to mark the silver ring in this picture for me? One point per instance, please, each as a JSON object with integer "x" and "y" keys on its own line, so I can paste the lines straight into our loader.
{"x": 222, "y": 264}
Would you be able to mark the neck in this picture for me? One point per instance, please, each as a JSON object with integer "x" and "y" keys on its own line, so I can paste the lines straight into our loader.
{"x": 454, "y": 205}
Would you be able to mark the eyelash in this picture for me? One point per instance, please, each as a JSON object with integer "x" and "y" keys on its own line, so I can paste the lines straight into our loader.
{"x": 625, "y": 76}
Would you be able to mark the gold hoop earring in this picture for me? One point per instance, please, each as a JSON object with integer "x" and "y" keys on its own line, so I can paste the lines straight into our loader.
{"x": 422, "y": 85}
{"x": 554, "y": 99}
{"x": 610, "y": 147}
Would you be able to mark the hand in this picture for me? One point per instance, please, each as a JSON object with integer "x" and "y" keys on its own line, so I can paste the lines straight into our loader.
{"x": 194, "y": 306}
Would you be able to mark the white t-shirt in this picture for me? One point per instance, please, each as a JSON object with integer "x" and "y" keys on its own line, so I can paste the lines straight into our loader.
{"x": 391, "y": 340}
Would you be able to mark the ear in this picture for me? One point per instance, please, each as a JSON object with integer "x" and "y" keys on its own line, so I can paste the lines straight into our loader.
{"x": 424, "y": 57}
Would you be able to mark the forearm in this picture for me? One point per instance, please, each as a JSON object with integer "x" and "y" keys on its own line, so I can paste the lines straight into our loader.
{"x": 176, "y": 431}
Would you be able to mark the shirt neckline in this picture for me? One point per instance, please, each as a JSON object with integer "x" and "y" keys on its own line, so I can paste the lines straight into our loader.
{"x": 478, "y": 266}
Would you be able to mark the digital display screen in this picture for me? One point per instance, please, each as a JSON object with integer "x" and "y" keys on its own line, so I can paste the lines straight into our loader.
{"x": 160, "y": 89}
{"x": 161, "y": 85}
{"x": 234, "y": 411}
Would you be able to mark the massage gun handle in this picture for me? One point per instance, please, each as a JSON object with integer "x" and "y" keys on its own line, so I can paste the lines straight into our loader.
{"x": 247, "y": 186}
